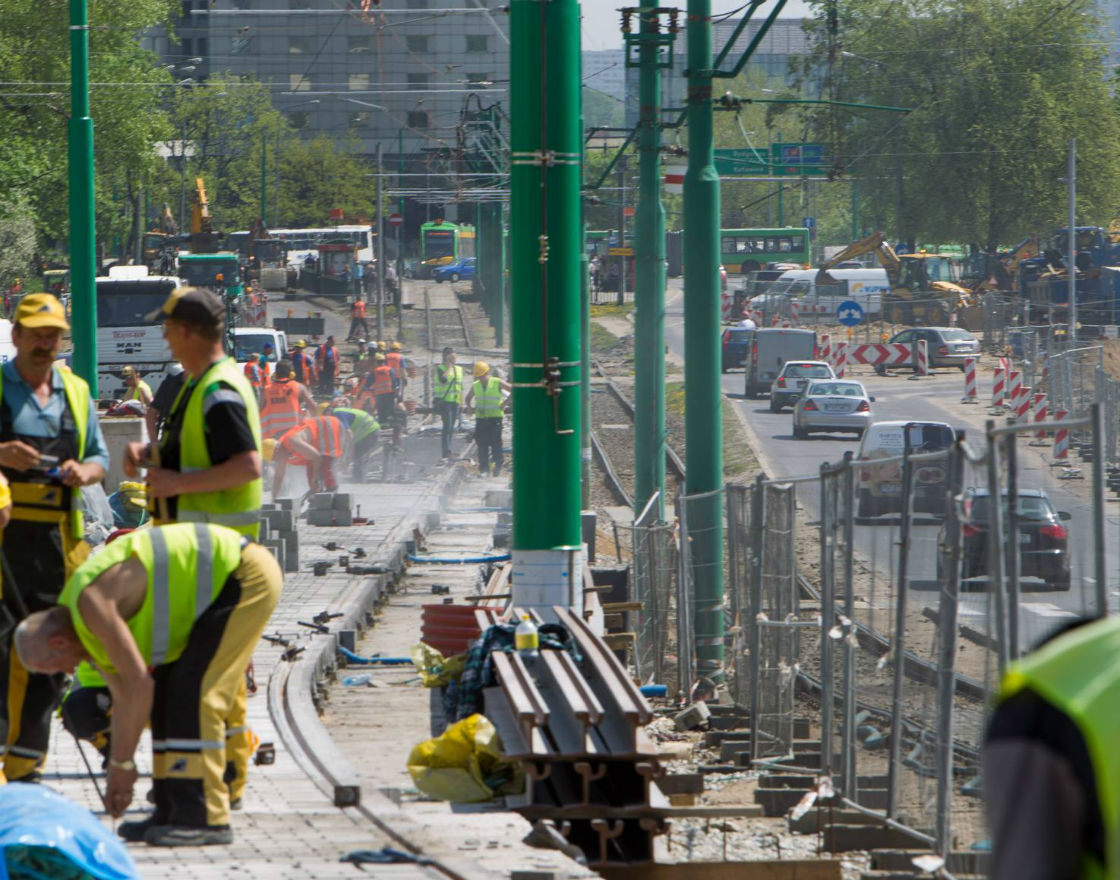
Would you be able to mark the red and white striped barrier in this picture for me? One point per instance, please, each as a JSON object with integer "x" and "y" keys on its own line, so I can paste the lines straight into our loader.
{"x": 825, "y": 348}
{"x": 969, "y": 381}
{"x": 1023, "y": 406}
{"x": 1014, "y": 387}
{"x": 841, "y": 360}
{"x": 726, "y": 305}
{"x": 880, "y": 354}
{"x": 1061, "y": 437}
{"x": 999, "y": 386}
{"x": 1039, "y": 406}
{"x": 921, "y": 357}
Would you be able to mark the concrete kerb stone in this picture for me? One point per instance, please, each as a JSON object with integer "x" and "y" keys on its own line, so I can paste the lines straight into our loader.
{"x": 292, "y": 690}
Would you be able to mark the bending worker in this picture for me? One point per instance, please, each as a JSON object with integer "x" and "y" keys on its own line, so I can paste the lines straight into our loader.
{"x": 1051, "y": 763}
{"x": 285, "y": 402}
{"x": 486, "y": 393}
{"x": 170, "y": 616}
{"x": 364, "y": 430}
{"x": 50, "y": 446}
{"x": 316, "y": 443}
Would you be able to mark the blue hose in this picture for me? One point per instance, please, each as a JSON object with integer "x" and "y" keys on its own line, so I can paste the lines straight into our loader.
{"x": 654, "y": 690}
{"x": 453, "y": 560}
{"x": 351, "y": 657}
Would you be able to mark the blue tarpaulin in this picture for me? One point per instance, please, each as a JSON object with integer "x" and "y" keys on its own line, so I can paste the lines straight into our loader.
{"x": 44, "y": 835}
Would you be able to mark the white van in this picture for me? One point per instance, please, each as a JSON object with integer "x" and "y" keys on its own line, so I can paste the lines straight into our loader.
{"x": 252, "y": 340}
{"x": 880, "y": 486}
{"x": 865, "y": 286}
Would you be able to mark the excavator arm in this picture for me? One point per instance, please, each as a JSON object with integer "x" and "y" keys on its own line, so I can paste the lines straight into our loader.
{"x": 875, "y": 243}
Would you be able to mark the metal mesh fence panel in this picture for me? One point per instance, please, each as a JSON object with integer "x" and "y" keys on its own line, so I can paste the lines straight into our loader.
{"x": 654, "y": 570}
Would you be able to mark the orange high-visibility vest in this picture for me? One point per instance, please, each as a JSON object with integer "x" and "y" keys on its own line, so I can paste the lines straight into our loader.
{"x": 253, "y": 374}
{"x": 382, "y": 380}
{"x": 281, "y": 410}
{"x": 393, "y": 359}
{"x": 359, "y": 309}
{"x": 326, "y": 435}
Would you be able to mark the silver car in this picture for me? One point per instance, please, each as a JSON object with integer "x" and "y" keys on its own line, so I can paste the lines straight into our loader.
{"x": 792, "y": 379}
{"x": 832, "y": 406}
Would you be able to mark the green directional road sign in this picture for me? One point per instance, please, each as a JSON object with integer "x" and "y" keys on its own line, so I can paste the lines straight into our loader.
{"x": 780, "y": 160}
{"x": 741, "y": 162}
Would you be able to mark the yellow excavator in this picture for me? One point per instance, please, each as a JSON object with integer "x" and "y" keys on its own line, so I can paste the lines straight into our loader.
{"x": 203, "y": 238}
{"x": 925, "y": 288}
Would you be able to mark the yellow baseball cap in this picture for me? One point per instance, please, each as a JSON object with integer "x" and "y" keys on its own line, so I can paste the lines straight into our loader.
{"x": 127, "y": 371}
{"x": 41, "y": 310}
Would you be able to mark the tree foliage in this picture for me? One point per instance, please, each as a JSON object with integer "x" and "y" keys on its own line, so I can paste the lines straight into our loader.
{"x": 17, "y": 240}
{"x": 997, "y": 88}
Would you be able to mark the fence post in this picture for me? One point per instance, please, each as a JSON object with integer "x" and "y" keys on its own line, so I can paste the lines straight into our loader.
{"x": 1014, "y": 561}
{"x": 995, "y": 546}
{"x": 1099, "y": 570}
{"x": 753, "y": 606}
{"x": 848, "y": 738}
{"x": 828, "y": 610}
{"x": 684, "y": 602}
{"x": 947, "y": 614}
{"x": 899, "y": 641}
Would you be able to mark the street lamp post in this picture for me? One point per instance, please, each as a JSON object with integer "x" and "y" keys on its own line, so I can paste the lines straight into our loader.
{"x": 83, "y": 259}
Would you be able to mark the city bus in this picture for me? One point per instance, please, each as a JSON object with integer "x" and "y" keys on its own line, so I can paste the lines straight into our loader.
{"x": 749, "y": 250}
{"x": 442, "y": 242}
{"x": 299, "y": 243}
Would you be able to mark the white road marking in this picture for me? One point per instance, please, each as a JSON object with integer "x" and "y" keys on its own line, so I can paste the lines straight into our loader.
{"x": 1046, "y": 609}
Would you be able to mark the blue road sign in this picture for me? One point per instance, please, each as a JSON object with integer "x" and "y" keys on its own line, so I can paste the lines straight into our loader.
{"x": 808, "y": 222}
{"x": 849, "y": 313}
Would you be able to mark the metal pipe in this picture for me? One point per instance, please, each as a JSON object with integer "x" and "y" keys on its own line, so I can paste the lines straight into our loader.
{"x": 1096, "y": 412}
{"x": 995, "y": 547}
{"x": 948, "y": 615}
{"x": 380, "y": 254}
{"x": 754, "y": 631}
{"x": 828, "y": 610}
{"x": 1014, "y": 557}
{"x": 849, "y": 731}
{"x": 899, "y": 648}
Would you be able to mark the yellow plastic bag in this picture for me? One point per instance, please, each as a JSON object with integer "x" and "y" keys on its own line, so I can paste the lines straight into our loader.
{"x": 434, "y": 669}
{"x": 464, "y": 764}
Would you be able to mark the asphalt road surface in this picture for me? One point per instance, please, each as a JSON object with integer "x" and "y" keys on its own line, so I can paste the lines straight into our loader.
{"x": 934, "y": 398}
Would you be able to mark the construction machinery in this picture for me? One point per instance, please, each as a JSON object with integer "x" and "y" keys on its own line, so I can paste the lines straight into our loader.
{"x": 925, "y": 287}
{"x": 161, "y": 243}
{"x": 267, "y": 260}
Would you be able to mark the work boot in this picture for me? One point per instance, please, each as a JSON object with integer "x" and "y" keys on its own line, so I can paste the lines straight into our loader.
{"x": 187, "y": 835}
{"x": 134, "y": 830}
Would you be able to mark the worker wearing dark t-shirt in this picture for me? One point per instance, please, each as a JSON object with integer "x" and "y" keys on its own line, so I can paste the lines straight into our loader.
{"x": 164, "y": 398}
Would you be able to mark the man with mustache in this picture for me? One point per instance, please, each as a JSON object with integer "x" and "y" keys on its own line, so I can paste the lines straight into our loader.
{"x": 50, "y": 446}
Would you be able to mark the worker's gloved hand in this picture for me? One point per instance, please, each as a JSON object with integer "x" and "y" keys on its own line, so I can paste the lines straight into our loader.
{"x": 18, "y": 455}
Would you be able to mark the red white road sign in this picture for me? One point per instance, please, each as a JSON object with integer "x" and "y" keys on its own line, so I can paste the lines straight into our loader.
{"x": 674, "y": 178}
{"x": 395, "y": 219}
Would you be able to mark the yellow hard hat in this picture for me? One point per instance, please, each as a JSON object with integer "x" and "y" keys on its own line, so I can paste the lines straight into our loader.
{"x": 301, "y": 343}
{"x": 481, "y": 368}
{"x": 396, "y": 346}
{"x": 268, "y": 448}
{"x": 381, "y": 345}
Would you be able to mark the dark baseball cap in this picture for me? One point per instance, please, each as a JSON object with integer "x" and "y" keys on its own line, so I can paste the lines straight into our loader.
{"x": 195, "y": 305}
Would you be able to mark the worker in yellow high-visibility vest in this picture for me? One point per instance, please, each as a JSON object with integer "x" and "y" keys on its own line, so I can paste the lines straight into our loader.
{"x": 169, "y": 616}
{"x": 486, "y": 394}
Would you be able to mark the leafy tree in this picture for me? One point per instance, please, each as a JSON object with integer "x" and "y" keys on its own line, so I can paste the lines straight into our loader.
{"x": 17, "y": 240}
{"x": 315, "y": 177}
{"x": 996, "y": 89}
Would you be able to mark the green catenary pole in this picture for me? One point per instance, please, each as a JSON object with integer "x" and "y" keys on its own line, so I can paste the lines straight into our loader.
{"x": 545, "y": 345}
{"x": 264, "y": 179}
{"x": 703, "y": 422}
{"x": 649, "y": 281}
{"x": 83, "y": 260}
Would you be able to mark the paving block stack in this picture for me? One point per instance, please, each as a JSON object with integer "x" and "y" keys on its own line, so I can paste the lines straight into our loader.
{"x": 330, "y": 509}
{"x": 278, "y": 524}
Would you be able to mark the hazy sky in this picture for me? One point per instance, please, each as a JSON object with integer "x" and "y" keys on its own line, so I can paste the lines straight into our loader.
{"x": 602, "y": 24}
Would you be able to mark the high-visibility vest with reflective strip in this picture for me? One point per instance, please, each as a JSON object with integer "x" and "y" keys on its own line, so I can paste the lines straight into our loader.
{"x": 187, "y": 565}
{"x": 328, "y": 359}
{"x": 359, "y": 310}
{"x": 134, "y": 393}
{"x": 448, "y": 386}
{"x": 281, "y": 408}
{"x": 382, "y": 380}
{"x": 362, "y": 424}
{"x": 488, "y": 399}
{"x": 393, "y": 359}
{"x": 77, "y": 398}
{"x": 1078, "y": 675}
{"x": 239, "y": 507}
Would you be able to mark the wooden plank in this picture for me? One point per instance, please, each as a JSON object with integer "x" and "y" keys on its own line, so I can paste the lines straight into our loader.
{"x": 815, "y": 869}
{"x": 612, "y": 607}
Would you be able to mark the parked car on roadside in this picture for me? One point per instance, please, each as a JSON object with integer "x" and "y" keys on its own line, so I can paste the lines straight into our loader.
{"x": 880, "y": 485}
{"x": 455, "y": 271}
{"x": 770, "y": 349}
{"x": 792, "y": 379}
{"x": 945, "y": 346}
{"x": 735, "y": 346}
{"x": 1043, "y": 538}
{"x": 832, "y": 406}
